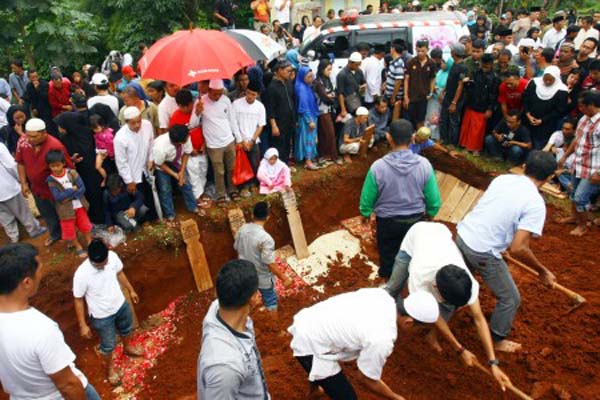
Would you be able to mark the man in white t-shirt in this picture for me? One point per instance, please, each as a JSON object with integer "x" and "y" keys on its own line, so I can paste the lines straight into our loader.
{"x": 361, "y": 326}
{"x": 167, "y": 107}
{"x": 100, "y": 83}
{"x": 281, "y": 12}
{"x": 251, "y": 119}
{"x": 510, "y": 212}
{"x": 99, "y": 279}
{"x": 35, "y": 361}
{"x": 430, "y": 261}
{"x": 558, "y": 144}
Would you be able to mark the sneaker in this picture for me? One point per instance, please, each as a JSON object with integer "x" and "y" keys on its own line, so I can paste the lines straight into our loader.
{"x": 40, "y": 232}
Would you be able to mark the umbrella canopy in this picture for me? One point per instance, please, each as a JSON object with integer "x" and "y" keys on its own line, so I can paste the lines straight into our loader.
{"x": 194, "y": 55}
{"x": 256, "y": 44}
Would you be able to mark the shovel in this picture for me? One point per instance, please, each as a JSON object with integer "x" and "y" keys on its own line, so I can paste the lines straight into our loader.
{"x": 518, "y": 392}
{"x": 152, "y": 181}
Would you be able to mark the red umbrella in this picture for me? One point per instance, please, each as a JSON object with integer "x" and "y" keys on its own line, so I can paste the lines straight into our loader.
{"x": 194, "y": 55}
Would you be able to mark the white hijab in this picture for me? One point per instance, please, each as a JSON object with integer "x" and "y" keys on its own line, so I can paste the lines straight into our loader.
{"x": 544, "y": 92}
{"x": 272, "y": 171}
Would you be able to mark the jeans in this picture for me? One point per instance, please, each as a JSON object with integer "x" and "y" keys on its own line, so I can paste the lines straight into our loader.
{"x": 223, "y": 160}
{"x": 165, "y": 193}
{"x": 16, "y": 209}
{"x": 582, "y": 193}
{"x": 269, "y": 298}
{"x": 91, "y": 393}
{"x": 450, "y": 124}
{"x": 48, "y": 212}
{"x": 337, "y": 386}
{"x": 496, "y": 275}
{"x": 514, "y": 154}
{"x": 122, "y": 320}
{"x": 390, "y": 233}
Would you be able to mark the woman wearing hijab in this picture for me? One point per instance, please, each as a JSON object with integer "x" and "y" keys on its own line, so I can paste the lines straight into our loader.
{"x": 16, "y": 116}
{"x": 297, "y": 32}
{"x": 78, "y": 138}
{"x": 326, "y": 94}
{"x": 115, "y": 75}
{"x": 544, "y": 104}
{"x": 308, "y": 114}
{"x": 292, "y": 57}
{"x": 274, "y": 176}
{"x": 434, "y": 105}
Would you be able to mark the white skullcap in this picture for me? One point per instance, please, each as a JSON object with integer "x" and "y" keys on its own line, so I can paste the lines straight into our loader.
{"x": 355, "y": 57}
{"x": 99, "y": 79}
{"x": 131, "y": 113}
{"x": 422, "y": 306}
{"x": 527, "y": 42}
{"x": 362, "y": 111}
{"x": 35, "y": 125}
{"x": 216, "y": 84}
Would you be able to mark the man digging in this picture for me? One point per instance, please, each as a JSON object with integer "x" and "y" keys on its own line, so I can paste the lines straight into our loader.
{"x": 98, "y": 279}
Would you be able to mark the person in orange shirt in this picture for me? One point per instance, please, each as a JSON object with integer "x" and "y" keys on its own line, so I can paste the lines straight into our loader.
{"x": 261, "y": 10}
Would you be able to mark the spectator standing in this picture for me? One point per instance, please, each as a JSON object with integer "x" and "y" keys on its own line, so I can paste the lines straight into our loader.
{"x": 241, "y": 83}
{"x": 555, "y": 34}
{"x": 524, "y": 60}
{"x": 103, "y": 96}
{"x": 35, "y": 361}
{"x": 585, "y": 56}
{"x": 434, "y": 106}
{"x": 313, "y": 30}
{"x": 419, "y": 84}
{"x": 16, "y": 116}
{"x": 399, "y": 188}
{"x": 261, "y": 10}
{"x": 509, "y": 139}
{"x": 167, "y": 106}
{"x": 305, "y": 146}
{"x": 453, "y": 97}
{"x": 33, "y": 172}
{"x": 372, "y": 68}
{"x": 473, "y": 62}
{"x": 281, "y": 12}
{"x": 510, "y": 92}
{"x": 527, "y": 21}
{"x": 149, "y": 110}
{"x": 5, "y": 90}
{"x": 592, "y": 81}
{"x": 587, "y": 31}
{"x": 281, "y": 110}
{"x": 36, "y": 99}
{"x": 544, "y": 57}
{"x": 229, "y": 364}
{"x": 18, "y": 80}
{"x": 394, "y": 85}
{"x": 224, "y": 14}
{"x": 59, "y": 94}
{"x": 350, "y": 84}
{"x": 327, "y": 143}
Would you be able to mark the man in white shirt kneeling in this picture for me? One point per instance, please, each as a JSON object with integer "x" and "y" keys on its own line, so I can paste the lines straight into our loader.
{"x": 99, "y": 280}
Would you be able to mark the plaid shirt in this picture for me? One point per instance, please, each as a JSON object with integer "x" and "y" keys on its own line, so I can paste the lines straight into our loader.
{"x": 587, "y": 150}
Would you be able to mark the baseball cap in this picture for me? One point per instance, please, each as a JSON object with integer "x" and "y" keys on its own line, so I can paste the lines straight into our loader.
{"x": 35, "y": 125}
{"x": 421, "y": 306}
{"x": 131, "y": 113}
{"x": 216, "y": 84}
{"x": 99, "y": 79}
{"x": 355, "y": 57}
{"x": 362, "y": 111}
{"x": 128, "y": 70}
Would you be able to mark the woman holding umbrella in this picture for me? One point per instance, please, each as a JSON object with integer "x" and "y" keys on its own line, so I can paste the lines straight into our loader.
{"x": 308, "y": 114}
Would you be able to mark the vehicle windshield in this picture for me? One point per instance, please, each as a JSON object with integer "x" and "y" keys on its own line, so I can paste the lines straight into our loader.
{"x": 306, "y": 45}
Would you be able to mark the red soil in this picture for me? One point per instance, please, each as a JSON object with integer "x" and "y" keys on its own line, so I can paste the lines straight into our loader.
{"x": 561, "y": 351}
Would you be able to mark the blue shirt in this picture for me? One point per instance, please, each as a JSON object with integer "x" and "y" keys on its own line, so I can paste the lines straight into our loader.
{"x": 418, "y": 148}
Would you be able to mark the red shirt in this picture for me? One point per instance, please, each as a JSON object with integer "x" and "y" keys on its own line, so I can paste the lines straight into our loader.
{"x": 589, "y": 84}
{"x": 35, "y": 164}
{"x": 196, "y": 136}
{"x": 512, "y": 97}
{"x": 59, "y": 97}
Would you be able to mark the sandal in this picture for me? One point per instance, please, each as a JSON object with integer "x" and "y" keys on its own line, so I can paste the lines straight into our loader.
{"x": 81, "y": 253}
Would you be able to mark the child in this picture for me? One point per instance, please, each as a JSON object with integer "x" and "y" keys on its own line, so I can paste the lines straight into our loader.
{"x": 67, "y": 189}
{"x": 274, "y": 176}
{"x": 121, "y": 207}
{"x": 105, "y": 150}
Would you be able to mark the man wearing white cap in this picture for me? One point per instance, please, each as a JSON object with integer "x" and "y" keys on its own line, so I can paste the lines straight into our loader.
{"x": 221, "y": 135}
{"x": 350, "y": 82}
{"x": 34, "y": 171}
{"x": 133, "y": 149}
{"x": 361, "y": 326}
{"x": 100, "y": 82}
{"x": 429, "y": 261}
{"x": 353, "y": 132}
{"x": 524, "y": 60}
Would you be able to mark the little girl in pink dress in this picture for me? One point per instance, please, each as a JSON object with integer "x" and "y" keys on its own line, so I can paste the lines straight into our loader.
{"x": 274, "y": 176}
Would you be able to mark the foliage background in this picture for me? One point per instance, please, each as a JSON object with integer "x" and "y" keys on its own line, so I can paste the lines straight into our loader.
{"x": 70, "y": 33}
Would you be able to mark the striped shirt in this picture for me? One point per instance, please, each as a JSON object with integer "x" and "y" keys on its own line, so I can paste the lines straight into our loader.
{"x": 587, "y": 150}
{"x": 395, "y": 73}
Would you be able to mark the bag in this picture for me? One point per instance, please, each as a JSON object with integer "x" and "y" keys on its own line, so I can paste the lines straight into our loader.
{"x": 242, "y": 170}
{"x": 352, "y": 103}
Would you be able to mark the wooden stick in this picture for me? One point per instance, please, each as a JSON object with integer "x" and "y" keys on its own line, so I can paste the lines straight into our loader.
{"x": 579, "y": 299}
{"x": 519, "y": 393}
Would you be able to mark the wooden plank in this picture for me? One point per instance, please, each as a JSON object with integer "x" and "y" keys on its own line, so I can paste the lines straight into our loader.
{"x": 236, "y": 220}
{"x": 547, "y": 187}
{"x": 454, "y": 197}
{"x": 446, "y": 187}
{"x": 364, "y": 146}
{"x": 295, "y": 223}
{"x": 136, "y": 322}
{"x": 196, "y": 255}
{"x": 462, "y": 208}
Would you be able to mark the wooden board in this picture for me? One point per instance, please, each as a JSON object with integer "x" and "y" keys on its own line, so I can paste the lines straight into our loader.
{"x": 136, "y": 322}
{"x": 465, "y": 204}
{"x": 295, "y": 222}
{"x": 454, "y": 197}
{"x": 546, "y": 187}
{"x": 196, "y": 255}
{"x": 364, "y": 146}
{"x": 236, "y": 220}
{"x": 446, "y": 187}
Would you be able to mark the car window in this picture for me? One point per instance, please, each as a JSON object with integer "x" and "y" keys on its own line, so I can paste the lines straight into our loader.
{"x": 373, "y": 37}
{"x": 335, "y": 44}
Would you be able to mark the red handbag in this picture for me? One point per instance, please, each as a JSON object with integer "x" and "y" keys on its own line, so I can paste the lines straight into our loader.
{"x": 242, "y": 169}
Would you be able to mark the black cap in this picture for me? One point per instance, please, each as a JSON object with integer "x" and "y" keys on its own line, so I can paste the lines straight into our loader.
{"x": 487, "y": 58}
{"x": 504, "y": 31}
{"x": 558, "y": 18}
{"x": 254, "y": 86}
{"x": 97, "y": 251}
{"x": 261, "y": 211}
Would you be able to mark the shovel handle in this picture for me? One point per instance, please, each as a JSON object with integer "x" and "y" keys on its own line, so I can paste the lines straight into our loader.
{"x": 520, "y": 394}
{"x": 575, "y": 296}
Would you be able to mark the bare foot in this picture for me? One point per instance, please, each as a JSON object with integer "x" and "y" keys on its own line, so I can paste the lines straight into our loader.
{"x": 315, "y": 392}
{"x": 579, "y": 231}
{"x": 507, "y": 346}
{"x": 596, "y": 221}
{"x": 347, "y": 159}
{"x": 432, "y": 340}
{"x": 567, "y": 220}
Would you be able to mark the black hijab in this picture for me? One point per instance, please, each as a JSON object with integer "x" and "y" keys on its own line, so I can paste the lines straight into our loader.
{"x": 8, "y": 133}
{"x": 115, "y": 76}
{"x": 78, "y": 138}
{"x": 110, "y": 119}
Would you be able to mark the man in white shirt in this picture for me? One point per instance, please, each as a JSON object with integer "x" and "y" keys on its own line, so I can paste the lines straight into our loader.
{"x": 99, "y": 280}
{"x": 35, "y": 361}
{"x": 221, "y": 134}
{"x": 587, "y": 31}
{"x": 251, "y": 118}
{"x": 555, "y": 34}
{"x": 430, "y": 261}
{"x": 171, "y": 152}
{"x": 100, "y": 83}
{"x": 313, "y": 31}
{"x": 361, "y": 326}
{"x": 281, "y": 12}
{"x": 504, "y": 221}
{"x": 372, "y": 67}
{"x": 167, "y": 107}
{"x": 506, "y": 37}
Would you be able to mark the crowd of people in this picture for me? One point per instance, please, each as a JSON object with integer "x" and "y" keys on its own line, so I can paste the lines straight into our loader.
{"x": 91, "y": 150}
